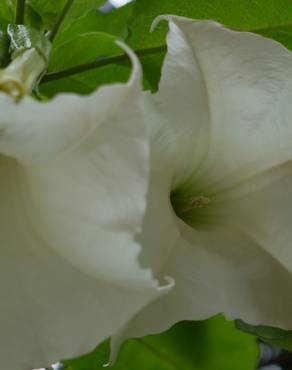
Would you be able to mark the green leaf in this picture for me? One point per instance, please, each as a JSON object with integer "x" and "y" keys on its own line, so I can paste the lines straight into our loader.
{"x": 7, "y": 11}
{"x": 82, "y": 49}
{"x": 76, "y": 44}
{"x": 44, "y": 7}
{"x": 275, "y": 336}
{"x": 33, "y": 19}
{"x": 49, "y": 10}
{"x": 214, "y": 344}
{"x": 81, "y": 7}
{"x": 271, "y": 18}
{"x": 114, "y": 23}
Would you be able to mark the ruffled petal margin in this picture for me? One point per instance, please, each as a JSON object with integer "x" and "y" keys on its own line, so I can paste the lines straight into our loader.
{"x": 74, "y": 176}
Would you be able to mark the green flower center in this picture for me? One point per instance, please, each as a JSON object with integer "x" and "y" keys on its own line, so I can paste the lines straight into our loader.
{"x": 193, "y": 210}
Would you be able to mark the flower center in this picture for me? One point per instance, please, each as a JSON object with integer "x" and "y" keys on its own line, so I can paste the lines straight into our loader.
{"x": 193, "y": 210}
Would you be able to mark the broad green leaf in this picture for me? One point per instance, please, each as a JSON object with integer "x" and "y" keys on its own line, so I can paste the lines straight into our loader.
{"x": 82, "y": 49}
{"x": 214, "y": 344}
{"x": 7, "y": 14}
{"x": 3, "y": 23}
{"x": 7, "y": 11}
{"x": 114, "y": 23}
{"x": 33, "y": 19}
{"x": 44, "y": 7}
{"x": 271, "y": 18}
{"x": 87, "y": 82}
{"x": 81, "y": 7}
{"x": 49, "y": 10}
{"x": 275, "y": 336}
{"x": 86, "y": 39}
{"x": 268, "y": 17}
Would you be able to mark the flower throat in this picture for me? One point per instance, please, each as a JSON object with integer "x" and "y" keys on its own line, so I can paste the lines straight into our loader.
{"x": 191, "y": 209}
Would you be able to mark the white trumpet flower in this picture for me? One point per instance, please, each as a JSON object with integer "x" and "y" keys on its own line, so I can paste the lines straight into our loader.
{"x": 219, "y": 210}
{"x": 73, "y": 183}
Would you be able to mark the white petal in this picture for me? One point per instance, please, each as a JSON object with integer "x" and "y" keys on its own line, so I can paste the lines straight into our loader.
{"x": 217, "y": 272}
{"x": 228, "y": 92}
{"x": 72, "y": 203}
{"x": 160, "y": 233}
{"x": 244, "y": 83}
{"x": 34, "y": 132}
{"x": 262, "y": 208}
{"x": 179, "y": 112}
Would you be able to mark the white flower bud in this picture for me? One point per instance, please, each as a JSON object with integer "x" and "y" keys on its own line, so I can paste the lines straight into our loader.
{"x": 22, "y": 74}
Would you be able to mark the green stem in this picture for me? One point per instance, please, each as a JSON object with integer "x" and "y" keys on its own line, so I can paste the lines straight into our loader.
{"x": 99, "y": 63}
{"x": 60, "y": 20}
{"x": 20, "y": 8}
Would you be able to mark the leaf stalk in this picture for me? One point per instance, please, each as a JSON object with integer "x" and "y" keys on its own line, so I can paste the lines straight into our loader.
{"x": 52, "y": 35}
{"x": 53, "y": 76}
{"x": 20, "y": 10}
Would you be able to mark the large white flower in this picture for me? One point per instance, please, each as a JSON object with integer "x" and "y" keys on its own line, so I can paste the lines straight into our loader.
{"x": 220, "y": 203}
{"x": 72, "y": 193}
